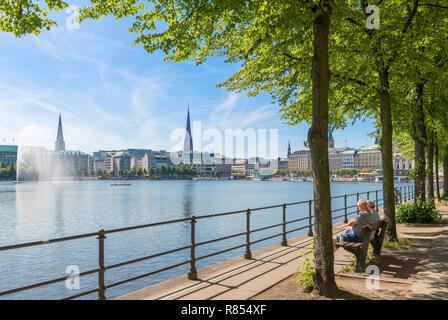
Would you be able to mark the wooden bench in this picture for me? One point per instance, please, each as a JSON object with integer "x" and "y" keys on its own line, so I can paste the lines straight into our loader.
{"x": 359, "y": 249}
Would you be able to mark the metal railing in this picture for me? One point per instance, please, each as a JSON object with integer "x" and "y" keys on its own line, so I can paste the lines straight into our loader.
{"x": 406, "y": 193}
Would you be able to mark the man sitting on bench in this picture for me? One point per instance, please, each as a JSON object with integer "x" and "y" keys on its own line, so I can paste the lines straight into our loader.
{"x": 354, "y": 226}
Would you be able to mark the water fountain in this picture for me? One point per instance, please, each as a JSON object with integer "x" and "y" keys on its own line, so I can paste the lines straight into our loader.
{"x": 40, "y": 164}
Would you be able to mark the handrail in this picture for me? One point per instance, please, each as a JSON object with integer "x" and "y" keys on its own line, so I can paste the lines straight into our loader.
{"x": 405, "y": 194}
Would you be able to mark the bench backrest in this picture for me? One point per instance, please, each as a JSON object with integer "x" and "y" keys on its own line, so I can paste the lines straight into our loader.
{"x": 371, "y": 227}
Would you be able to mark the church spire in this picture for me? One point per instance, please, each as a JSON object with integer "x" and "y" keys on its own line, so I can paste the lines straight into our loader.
{"x": 377, "y": 137}
{"x": 60, "y": 143}
{"x": 330, "y": 137}
{"x": 289, "y": 148}
{"x": 188, "y": 142}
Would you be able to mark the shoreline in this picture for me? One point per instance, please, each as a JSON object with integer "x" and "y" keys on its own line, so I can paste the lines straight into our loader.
{"x": 199, "y": 179}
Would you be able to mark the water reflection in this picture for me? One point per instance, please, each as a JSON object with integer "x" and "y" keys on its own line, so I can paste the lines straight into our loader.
{"x": 187, "y": 199}
{"x": 58, "y": 209}
{"x": 40, "y": 209}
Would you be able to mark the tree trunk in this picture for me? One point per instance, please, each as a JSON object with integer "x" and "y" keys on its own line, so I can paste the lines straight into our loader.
{"x": 419, "y": 142}
{"x": 445, "y": 174}
{"x": 431, "y": 167}
{"x": 436, "y": 161}
{"x": 325, "y": 283}
{"x": 387, "y": 157}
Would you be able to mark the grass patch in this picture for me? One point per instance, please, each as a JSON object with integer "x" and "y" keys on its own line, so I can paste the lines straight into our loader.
{"x": 347, "y": 268}
{"x": 403, "y": 243}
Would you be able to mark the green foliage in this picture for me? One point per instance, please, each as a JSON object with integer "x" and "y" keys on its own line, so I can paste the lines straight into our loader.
{"x": 345, "y": 172}
{"x": 163, "y": 171}
{"x": 272, "y": 41}
{"x": 307, "y": 276}
{"x": 420, "y": 212}
{"x": 26, "y": 16}
{"x": 7, "y": 172}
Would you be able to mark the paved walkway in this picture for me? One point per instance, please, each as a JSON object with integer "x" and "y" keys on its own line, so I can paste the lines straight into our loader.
{"x": 432, "y": 282}
{"x": 238, "y": 279}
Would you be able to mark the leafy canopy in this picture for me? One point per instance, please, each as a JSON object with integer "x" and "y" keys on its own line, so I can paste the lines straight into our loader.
{"x": 272, "y": 40}
{"x": 27, "y": 16}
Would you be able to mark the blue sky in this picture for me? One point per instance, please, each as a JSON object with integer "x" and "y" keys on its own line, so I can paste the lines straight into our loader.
{"x": 115, "y": 95}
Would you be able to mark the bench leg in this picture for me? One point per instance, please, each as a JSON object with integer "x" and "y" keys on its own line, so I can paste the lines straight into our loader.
{"x": 377, "y": 249}
{"x": 361, "y": 256}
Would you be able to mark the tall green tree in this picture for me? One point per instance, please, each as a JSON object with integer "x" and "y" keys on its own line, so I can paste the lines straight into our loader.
{"x": 283, "y": 48}
{"x": 424, "y": 65}
{"x": 364, "y": 64}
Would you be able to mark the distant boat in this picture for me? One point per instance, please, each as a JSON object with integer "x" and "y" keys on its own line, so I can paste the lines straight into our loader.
{"x": 120, "y": 184}
{"x": 16, "y": 181}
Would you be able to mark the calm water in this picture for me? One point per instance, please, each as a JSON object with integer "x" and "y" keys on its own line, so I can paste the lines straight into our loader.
{"x": 39, "y": 211}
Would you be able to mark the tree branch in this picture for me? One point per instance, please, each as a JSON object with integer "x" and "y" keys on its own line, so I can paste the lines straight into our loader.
{"x": 433, "y": 5}
{"x": 405, "y": 29}
{"x": 356, "y": 81}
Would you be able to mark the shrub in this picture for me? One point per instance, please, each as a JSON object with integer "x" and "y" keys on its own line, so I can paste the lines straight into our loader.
{"x": 307, "y": 275}
{"x": 420, "y": 212}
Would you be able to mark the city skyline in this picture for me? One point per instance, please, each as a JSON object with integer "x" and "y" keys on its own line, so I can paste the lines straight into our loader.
{"x": 114, "y": 95}
{"x": 59, "y": 143}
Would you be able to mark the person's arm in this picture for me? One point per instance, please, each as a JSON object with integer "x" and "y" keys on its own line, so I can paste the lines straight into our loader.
{"x": 352, "y": 223}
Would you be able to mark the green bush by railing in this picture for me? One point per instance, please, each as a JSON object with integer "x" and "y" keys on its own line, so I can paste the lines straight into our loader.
{"x": 420, "y": 212}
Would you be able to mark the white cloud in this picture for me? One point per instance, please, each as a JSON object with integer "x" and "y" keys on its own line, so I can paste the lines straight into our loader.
{"x": 234, "y": 113}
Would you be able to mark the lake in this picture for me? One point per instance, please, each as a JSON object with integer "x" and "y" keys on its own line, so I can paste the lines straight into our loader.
{"x": 47, "y": 210}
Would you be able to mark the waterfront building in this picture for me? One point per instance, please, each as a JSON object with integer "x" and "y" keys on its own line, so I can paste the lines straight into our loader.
{"x": 369, "y": 157}
{"x": 137, "y": 162}
{"x": 205, "y": 163}
{"x": 299, "y": 160}
{"x": 335, "y": 157}
{"x": 223, "y": 166}
{"x": 240, "y": 168}
{"x": 154, "y": 160}
{"x": 8, "y": 154}
{"x": 118, "y": 161}
{"x": 348, "y": 159}
{"x": 282, "y": 164}
{"x": 75, "y": 162}
{"x": 402, "y": 166}
{"x": 223, "y": 169}
{"x": 141, "y": 152}
{"x": 72, "y": 162}
{"x": 102, "y": 164}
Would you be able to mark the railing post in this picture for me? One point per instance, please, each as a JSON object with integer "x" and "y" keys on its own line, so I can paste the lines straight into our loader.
{"x": 192, "y": 272}
{"x": 357, "y": 200}
{"x": 284, "y": 241}
{"x": 248, "y": 253}
{"x": 401, "y": 194}
{"x": 310, "y": 228}
{"x": 368, "y": 195}
{"x": 101, "y": 268}
{"x": 376, "y": 198}
{"x": 345, "y": 209}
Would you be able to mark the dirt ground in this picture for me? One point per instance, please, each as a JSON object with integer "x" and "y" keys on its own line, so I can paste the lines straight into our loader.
{"x": 398, "y": 269}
